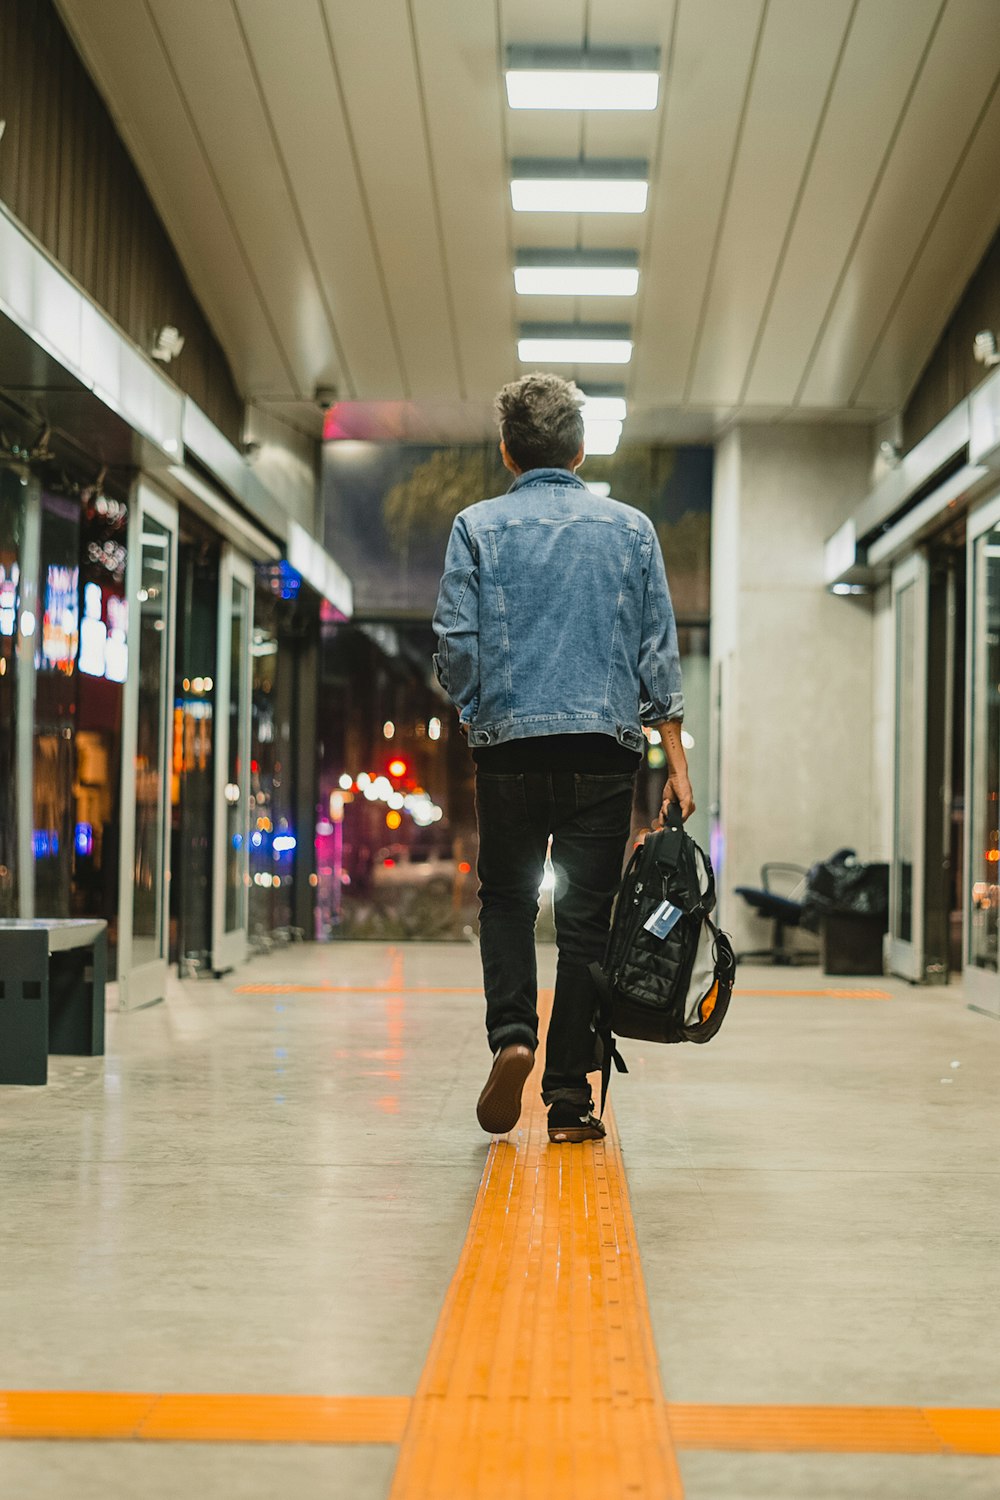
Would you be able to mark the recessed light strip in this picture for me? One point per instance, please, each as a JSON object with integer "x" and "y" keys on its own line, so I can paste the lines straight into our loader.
{"x": 601, "y": 437}
{"x": 540, "y": 185}
{"x": 558, "y": 195}
{"x": 576, "y": 273}
{"x": 566, "y": 78}
{"x": 604, "y": 408}
{"x": 575, "y": 343}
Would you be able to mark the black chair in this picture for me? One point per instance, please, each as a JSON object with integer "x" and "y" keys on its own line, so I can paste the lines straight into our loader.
{"x": 784, "y": 910}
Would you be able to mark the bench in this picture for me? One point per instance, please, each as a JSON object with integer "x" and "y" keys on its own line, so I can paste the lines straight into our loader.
{"x": 52, "y": 975}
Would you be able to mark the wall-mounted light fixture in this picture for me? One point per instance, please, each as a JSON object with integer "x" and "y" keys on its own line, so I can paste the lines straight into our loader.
{"x": 576, "y": 273}
{"x": 984, "y": 349}
{"x": 167, "y": 343}
{"x": 556, "y": 186}
{"x": 571, "y": 78}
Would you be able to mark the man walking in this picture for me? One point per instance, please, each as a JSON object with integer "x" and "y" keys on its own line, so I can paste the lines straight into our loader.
{"x": 556, "y": 643}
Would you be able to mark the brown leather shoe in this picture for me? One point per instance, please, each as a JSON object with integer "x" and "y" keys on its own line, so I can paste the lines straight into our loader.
{"x": 499, "y": 1107}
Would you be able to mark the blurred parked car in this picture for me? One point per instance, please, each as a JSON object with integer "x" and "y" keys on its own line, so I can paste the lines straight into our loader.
{"x": 402, "y": 867}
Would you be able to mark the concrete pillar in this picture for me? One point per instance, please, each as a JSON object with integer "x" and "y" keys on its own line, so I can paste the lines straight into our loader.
{"x": 792, "y": 664}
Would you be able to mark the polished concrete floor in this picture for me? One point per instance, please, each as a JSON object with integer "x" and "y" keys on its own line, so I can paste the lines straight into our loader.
{"x": 268, "y": 1192}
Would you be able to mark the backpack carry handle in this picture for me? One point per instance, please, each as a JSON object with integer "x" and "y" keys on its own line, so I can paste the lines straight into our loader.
{"x": 668, "y": 839}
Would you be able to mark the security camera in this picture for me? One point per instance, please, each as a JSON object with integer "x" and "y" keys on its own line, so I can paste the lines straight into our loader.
{"x": 325, "y": 396}
{"x": 891, "y": 452}
{"x": 984, "y": 349}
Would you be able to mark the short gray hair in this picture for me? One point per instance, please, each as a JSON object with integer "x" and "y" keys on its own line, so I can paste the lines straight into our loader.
{"x": 541, "y": 421}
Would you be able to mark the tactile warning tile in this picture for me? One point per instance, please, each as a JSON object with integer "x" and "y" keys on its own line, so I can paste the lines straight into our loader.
{"x": 116, "y": 1416}
{"x": 542, "y": 1378}
{"x": 837, "y": 1429}
{"x": 202, "y": 1417}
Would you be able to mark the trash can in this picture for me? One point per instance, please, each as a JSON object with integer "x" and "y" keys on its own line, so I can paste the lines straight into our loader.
{"x": 847, "y": 903}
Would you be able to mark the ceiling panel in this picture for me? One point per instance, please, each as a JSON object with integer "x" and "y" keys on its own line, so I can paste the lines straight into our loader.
{"x": 879, "y": 66}
{"x": 955, "y": 245}
{"x": 713, "y": 50}
{"x": 798, "y": 57}
{"x": 337, "y": 190}
{"x": 291, "y": 53}
{"x": 208, "y": 54}
{"x": 378, "y": 71}
{"x": 959, "y": 72}
{"x": 557, "y": 23}
{"x": 631, "y": 23}
{"x": 456, "y": 47}
{"x": 123, "y": 52}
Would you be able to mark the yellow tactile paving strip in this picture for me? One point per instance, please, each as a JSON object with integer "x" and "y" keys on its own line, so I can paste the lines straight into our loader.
{"x": 838, "y": 1429}
{"x": 422, "y": 989}
{"x": 115, "y": 1416}
{"x": 202, "y": 1418}
{"x": 542, "y": 1377}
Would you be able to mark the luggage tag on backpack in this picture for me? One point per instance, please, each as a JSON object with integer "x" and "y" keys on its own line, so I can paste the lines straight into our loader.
{"x": 663, "y": 920}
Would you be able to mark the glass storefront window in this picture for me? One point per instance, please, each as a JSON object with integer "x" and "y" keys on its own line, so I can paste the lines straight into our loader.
{"x": 153, "y": 597}
{"x": 193, "y": 753}
{"x": 273, "y": 838}
{"x": 57, "y": 643}
{"x": 235, "y": 789}
{"x": 984, "y": 821}
{"x": 102, "y": 666}
{"x": 906, "y": 750}
{"x": 13, "y": 494}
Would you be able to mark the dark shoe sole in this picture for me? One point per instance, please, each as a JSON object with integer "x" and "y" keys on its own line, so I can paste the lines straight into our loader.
{"x": 499, "y": 1107}
{"x": 572, "y": 1135}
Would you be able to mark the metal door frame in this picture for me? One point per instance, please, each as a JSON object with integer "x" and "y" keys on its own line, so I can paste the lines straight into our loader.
{"x": 230, "y": 948}
{"x": 982, "y": 989}
{"x": 906, "y": 958}
{"x": 146, "y": 983}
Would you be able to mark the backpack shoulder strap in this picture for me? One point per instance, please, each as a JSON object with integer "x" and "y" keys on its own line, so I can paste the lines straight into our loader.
{"x": 609, "y": 1048}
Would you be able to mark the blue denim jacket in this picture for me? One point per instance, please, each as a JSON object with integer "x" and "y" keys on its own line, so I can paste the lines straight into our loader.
{"x": 554, "y": 616}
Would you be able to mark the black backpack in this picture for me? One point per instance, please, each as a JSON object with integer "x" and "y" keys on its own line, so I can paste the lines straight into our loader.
{"x": 668, "y": 971}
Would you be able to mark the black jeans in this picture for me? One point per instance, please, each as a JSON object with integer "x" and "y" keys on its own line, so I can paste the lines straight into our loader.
{"x": 588, "y": 818}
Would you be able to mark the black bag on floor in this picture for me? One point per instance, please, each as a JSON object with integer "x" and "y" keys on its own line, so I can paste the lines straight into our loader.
{"x": 668, "y": 972}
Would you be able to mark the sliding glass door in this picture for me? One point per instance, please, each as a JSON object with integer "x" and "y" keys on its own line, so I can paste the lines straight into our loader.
{"x": 232, "y": 763}
{"x": 145, "y": 847}
{"x": 982, "y": 899}
{"x": 907, "y": 877}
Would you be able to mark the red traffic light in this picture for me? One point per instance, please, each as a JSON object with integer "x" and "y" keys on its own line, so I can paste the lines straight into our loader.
{"x": 398, "y": 768}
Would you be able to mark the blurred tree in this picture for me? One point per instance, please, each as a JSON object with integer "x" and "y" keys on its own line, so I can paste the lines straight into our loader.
{"x": 687, "y": 552}
{"x": 424, "y": 505}
{"x": 419, "y": 509}
{"x": 637, "y": 474}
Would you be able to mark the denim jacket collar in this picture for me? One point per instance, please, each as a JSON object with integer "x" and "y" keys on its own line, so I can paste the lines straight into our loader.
{"x": 546, "y": 476}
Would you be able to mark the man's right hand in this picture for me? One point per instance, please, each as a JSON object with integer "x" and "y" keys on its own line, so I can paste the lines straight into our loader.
{"x": 678, "y": 789}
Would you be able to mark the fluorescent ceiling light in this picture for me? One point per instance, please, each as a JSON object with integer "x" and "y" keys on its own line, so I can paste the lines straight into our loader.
{"x": 555, "y": 185}
{"x": 576, "y": 281}
{"x": 541, "y": 88}
{"x": 574, "y": 343}
{"x": 601, "y": 436}
{"x": 568, "y": 78}
{"x": 604, "y": 409}
{"x": 574, "y": 351}
{"x": 580, "y": 195}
